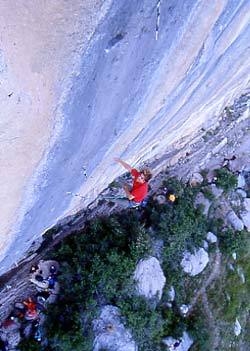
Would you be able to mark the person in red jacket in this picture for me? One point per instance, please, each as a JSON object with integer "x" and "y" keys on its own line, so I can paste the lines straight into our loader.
{"x": 139, "y": 189}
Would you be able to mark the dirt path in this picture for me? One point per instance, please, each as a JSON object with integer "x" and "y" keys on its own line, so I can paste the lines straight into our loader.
{"x": 214, "y": 332}
{"x": 214, "y": 275}
{"x": 202, "y": 294}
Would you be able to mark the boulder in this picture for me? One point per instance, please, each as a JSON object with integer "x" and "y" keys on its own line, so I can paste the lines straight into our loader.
{"x": 217, "y": 192}
{"x": 237, "y": 327}
{"x": 185, "y": 342}
{"x": 110, "y": 333}
{"x": 205, "y": 244}
{"x": 201, "y": 200}
{"x": 194, "y": 263}
{"x": 241, "y": 181}
{"x": 196, "y": 179}
{"x": 234, "y": 220}
{"x": 242, "y": 193}
{"x": 149, "y": 277}
{"x": 245, "y": 216}
{"x": 211, "y": 237}
{"x": 171, "y": 294}
{"x": 247, "y": 204}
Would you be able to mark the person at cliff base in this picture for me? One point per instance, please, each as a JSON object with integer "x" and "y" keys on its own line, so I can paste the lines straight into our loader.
{"x": 139, "y": 190}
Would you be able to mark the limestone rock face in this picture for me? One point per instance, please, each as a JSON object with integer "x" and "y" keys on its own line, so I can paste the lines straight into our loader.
{"x": 185, "y": 342}
{"x": 149, "y": 278}
{"x": 211, "y": 237}
{"x": 204, "y": 202}
{"x": 195, "y": 263}
{"x": 237, "y": 327}
{"x": 110, "y": 333}
{"x": 234, "y": 220}
{"x": 82, "y": 82}
{"x": 245, "y": 215}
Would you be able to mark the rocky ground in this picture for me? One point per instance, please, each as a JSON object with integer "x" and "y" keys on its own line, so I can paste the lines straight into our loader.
{"x": 225, "y": 144}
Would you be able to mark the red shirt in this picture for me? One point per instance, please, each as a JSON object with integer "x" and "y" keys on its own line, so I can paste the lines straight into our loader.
{"x": 139, "y": 190}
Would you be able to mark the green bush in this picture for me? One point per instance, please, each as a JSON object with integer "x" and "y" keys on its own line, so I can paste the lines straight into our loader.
{"x": 225, "y": 179}
{"x": 230, "y": 240}
{"x": 180, "y": 225}
{"x": 197, "y": 326}
{"x": 98, "y": 262}
{"x": 207, "y": 192}
{"x": 145, "y": 323}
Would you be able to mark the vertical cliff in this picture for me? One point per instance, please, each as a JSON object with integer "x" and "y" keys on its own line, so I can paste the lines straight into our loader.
{"x": 85, "y": 83}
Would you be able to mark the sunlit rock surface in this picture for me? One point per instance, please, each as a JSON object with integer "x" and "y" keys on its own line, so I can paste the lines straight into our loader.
{"x": 194, "y": 263}
{"x": 149, "y": 278}
{"x": 110, "y": 333}
{"x": 82, "y": 82}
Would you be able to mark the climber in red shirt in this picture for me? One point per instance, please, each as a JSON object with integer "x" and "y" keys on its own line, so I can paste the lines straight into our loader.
{"x": 139, "y": 189}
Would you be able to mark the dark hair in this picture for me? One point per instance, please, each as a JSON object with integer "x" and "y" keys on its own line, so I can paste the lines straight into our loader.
{"x": 147, "y": 174}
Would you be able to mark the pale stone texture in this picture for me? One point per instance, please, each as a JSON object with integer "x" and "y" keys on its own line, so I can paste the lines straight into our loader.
{"x": 149, "y": 278}
{"x": 241, "y": 181}
{"x": 237, "y": 327}
{"x": 40, "y": 40}
{"x": 217, "y": 192}
{"x": 211, "y": 237}
{"x": 110, "y": 333}
{"x": 204, "y": 202}
{"x": 234, "y": 220}
{"x": 171, "y": 294}
{"x": 245, "y": 214}
{"x": 70, "y": 104}
{"x": 196, "y": 179}
{"x": 186, "y": 342}
{"x": 195, "y": 263}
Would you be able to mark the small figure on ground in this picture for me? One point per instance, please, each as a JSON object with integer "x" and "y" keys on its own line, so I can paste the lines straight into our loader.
{"x": 139, "y": 190}
{"x": 175, "y": 345}
{"x": 31, "y": 309}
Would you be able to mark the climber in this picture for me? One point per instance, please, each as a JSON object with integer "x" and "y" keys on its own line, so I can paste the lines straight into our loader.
{"x": 139, "y": 190}
{"x": 31, "y": 309}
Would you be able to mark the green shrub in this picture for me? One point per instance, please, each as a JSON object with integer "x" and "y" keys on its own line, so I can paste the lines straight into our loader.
{"x": 225, "y": 179}
{"x": 98, "y": 262}
{"x": 207, "y": 192}
{"x": 145, "y": 323}
{"x": 181, "y": 225}
{"x": 198, "y": 329}
{"x": 230, "y": 240}
{"x": 29, "y": 345}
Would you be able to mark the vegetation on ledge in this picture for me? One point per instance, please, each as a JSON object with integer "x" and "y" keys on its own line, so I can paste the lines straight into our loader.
{"x": 97, "y": 266}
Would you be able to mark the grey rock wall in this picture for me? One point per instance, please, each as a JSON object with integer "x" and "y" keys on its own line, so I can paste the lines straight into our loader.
{"x": 134, "y": 93}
